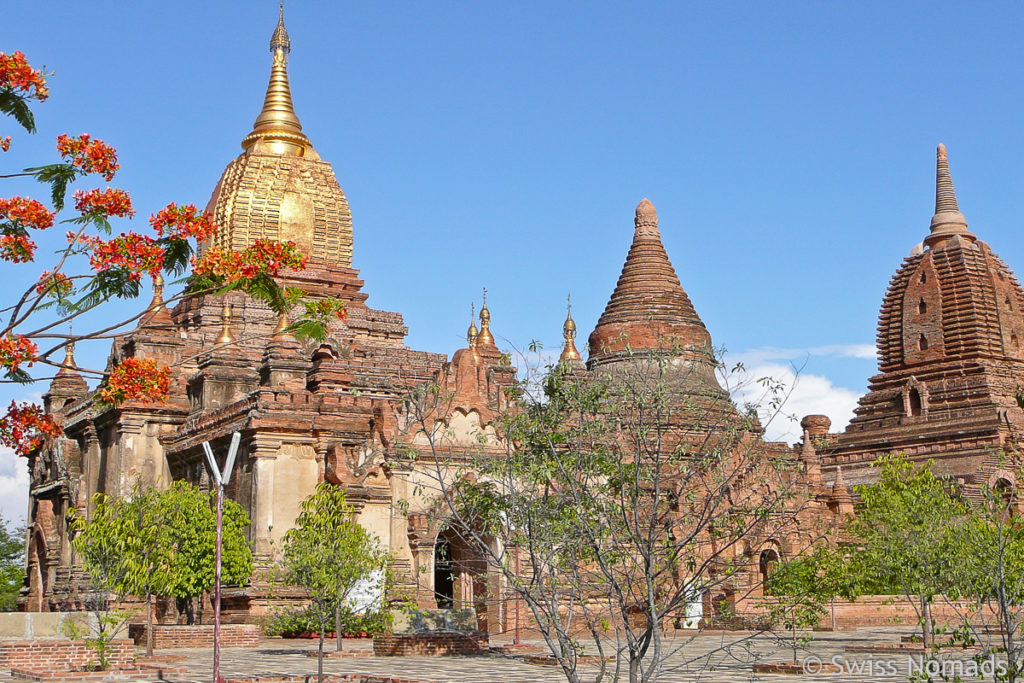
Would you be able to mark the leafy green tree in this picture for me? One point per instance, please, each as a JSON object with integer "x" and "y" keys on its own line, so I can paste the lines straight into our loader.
{"x": 330, "y": 554}
{"x": 191, "y": 519}
{"x": 801, "y": 588}
{"x": 902, "y": 530}
{"x": 989, "y": 575}
{"x": 140, "y": 524}
{"x": 154, "y": 543}
{"x": 100, "y": 543}
{"x": 12, "y": 564}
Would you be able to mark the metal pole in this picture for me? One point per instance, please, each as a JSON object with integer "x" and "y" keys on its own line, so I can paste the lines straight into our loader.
{"x": 517, "y": 643}
{"x": 221, "y": 478}
{"x": 216, "y": 585}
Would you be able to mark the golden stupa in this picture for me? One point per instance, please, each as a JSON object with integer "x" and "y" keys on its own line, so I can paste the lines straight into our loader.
{"x": 279, "y": 188}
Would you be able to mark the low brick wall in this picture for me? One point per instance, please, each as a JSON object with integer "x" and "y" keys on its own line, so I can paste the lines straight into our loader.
{"x": 175, "y": 637}
{"x": 61, "y": 655}
{"x": 429, "y": 644}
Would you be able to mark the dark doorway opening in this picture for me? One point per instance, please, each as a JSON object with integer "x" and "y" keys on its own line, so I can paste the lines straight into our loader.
{"x": 444, "y": 581}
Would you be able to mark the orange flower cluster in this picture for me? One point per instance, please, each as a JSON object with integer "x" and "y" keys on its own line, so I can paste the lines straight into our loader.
{"x": 17, "y": 248}
{"x": 135, "y": 379}
{"x": 325, "y": 308}
{"x": 108, "y": 202}
{"x": 92, "y": 156}
{"x": 26, "y": 213}
{"x": 182, "y": 222}
{"x": 137, "y": 253}
{"x": 57, "y": 284}
{"x": 24, "y": 428}
{"x": 15, "y": 350}
{"x": 16, "y": 74}
{"x": 262, "y": 258}
{"x": 5, "y": 143}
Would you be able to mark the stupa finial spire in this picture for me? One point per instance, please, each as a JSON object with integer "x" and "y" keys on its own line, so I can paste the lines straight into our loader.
{"x": 569, "y": 351}
{"x": 485, "y": 338}
{"x": 472, "y": 333}
{"x": 646, "y": 219}
{"x": 947, "y": 221}
{"x": 280, "y": 37}
{"x": 278, "y": 126}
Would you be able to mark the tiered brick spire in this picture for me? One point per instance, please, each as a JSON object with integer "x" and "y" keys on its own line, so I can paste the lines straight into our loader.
{"x": 648, "y": 309}
{"x": 948, "y": 220}
{"x": 950, "y": 356}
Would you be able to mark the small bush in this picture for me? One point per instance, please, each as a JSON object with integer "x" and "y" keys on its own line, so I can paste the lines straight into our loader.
{"x": 295, "y": 622}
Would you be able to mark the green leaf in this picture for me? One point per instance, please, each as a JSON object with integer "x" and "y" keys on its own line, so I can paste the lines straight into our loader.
{"x": 58, "y": 176}
{"x": 15, "y": 105}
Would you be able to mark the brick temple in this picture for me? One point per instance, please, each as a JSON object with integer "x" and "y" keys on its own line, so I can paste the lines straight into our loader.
{"x": 950, "y": 370}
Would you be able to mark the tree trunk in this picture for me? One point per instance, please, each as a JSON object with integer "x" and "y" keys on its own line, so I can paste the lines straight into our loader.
{"x": 833, "y": 601}
{"x": 320, "y": 655}
{"x": 337, "y": 624}
{"x": 924, "y": 622}
{"x": 634, "y": 668}
{"x": 149, "y": 625}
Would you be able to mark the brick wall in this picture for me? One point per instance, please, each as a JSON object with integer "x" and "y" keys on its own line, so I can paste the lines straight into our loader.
{"x": 171, "y": 637}
{"x": 61, "y": 655}
{"x": 429, "y": 644}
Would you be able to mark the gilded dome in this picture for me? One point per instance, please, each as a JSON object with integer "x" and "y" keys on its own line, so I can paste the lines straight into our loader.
{"x": 278, "y": 188}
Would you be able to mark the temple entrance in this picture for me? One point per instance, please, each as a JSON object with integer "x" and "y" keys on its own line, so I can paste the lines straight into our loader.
{"x": 444, "y": 578}
{"x": 769, "y": 559}
{"x": 460, "y": 576}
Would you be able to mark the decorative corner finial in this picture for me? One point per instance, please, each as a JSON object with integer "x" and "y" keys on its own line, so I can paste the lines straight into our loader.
{"x": 485, "y": 313}
{"x": 158, "y": 293}
{"x": 282, "y": 319}
{"x": 225, "y": 331}
{"x": 569, "y": 351}
{"x": 69, "y": 355}
{"x": 472, "y": 333}
{"x": 485, "y": 338}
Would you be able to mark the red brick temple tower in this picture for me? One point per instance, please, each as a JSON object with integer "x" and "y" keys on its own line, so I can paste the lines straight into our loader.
{"x": 950, "y": 359}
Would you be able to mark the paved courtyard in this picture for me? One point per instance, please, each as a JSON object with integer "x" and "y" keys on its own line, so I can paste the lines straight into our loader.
{"x": 706, "y": 659}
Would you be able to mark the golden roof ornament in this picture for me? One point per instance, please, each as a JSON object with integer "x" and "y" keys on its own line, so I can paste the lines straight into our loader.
{"x": 68, "y": 367}
{"x": 158, "y": 293}
{"x": 280, "y": 38}
{"x": 472, "y": 333}
{"x": 485, "y": 338}
{"x": 282, "y": 320}
{"x": 225, "y": 331}
{"x": 569, "y": 351}
{"x": 277, "y": 129}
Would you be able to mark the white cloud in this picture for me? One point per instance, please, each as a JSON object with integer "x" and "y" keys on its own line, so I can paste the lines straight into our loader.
{"x": 800, "y": 393}
{"x": 13, "y": 486}
{"x": 765, "y": 354}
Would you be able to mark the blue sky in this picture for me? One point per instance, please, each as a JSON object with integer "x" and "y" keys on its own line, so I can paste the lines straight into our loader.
{"x": 788, "y": 147}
